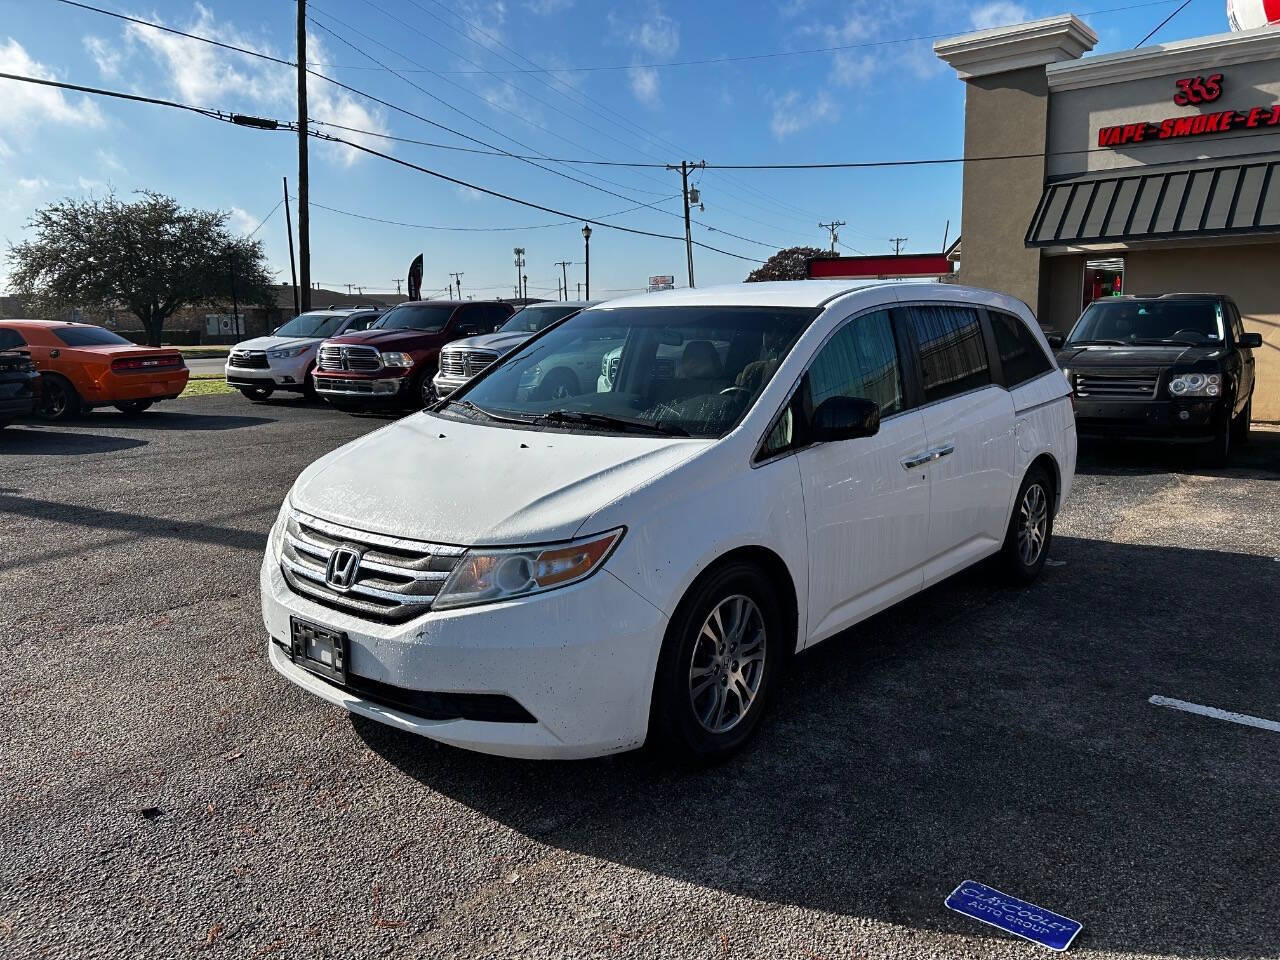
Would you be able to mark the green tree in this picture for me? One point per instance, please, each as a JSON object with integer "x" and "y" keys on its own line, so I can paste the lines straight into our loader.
{"x": 788, "y": 264}
{"x": 151, "y": 257}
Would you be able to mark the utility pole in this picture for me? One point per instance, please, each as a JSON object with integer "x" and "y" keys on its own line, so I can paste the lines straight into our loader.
{"x": 304, "y": 179}
{"x": 288, "y": 228}
{"x": 579, "y": 289}
{"x": 834, "y": 226}
{"x": 898, "y": 243}
{"x": 450, "y": 289}
{"x": 348, "y": 289}
{"x": 397, "y": 286}
{"x": 689, "y": 198}
{"x": 457, "y": 279}
{"x": 519, "y": 252}
{"x": 564, "y": 273}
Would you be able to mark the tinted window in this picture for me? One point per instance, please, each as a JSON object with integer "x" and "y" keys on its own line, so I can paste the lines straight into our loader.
{"x": 532, "y": 319}
{"x": 692, "y": 369}
{"x": 1021, "y": 357}
{"x": 425, "y": 317}
{"x": 88, "y": 337}
{"x": 361, "y": 322}
{"x": 861, "y": 360}
{"x": 10, "y": 339}
{"x": 316, "y": 324}
{"x": 1192, "y": 322}
{"x": 953, "y": 358}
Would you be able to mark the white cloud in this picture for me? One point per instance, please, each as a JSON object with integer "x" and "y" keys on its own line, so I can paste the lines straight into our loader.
{"x": 243, "y": 222}
{"x": 108, "y": 160}
{"x": 6, "y": 151}
{"x": 485, "y": 20}
{"x": 644, "y": 84}
{"x": 104, "y": 55}
{"x": 467, "y": 194}
{"x": 791, "y": 113}
{"x": 545, "y": 7}
{"x": 849, "y": 69}
{"x": 998, "y": 13}
{"x": 32, "y": 184}
{"x": 91, "y": 186}
{"x": 27, "y": 104}
{"x": 657, "y": 34}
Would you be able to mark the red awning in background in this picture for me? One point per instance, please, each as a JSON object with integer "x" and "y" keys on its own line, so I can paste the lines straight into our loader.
{"x": 880, "y": 268}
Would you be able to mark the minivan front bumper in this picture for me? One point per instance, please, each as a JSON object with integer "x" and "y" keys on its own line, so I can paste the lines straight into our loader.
{"x": 580, "y": 660}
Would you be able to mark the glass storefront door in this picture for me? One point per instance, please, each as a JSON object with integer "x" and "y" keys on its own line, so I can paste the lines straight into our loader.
{"x": 1102, "y": 278}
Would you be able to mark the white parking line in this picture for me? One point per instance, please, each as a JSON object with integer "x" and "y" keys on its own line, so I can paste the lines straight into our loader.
{"x": 1241, "y": 718}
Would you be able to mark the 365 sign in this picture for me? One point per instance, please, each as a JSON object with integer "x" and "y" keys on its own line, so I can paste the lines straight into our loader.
{"x": 1192, "y": 92}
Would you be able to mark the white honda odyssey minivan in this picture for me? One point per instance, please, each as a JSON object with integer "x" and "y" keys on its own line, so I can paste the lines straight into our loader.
{"x": 758, "y": 468}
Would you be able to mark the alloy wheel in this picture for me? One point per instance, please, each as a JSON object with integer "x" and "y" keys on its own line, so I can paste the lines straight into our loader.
{"x": 727, "y": 665}
{"x": 54, "y": 399}
{"x": 1033, "y": 524}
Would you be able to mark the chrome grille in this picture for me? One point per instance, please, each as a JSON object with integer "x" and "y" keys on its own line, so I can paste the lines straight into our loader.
{"x": 1125, "y": 385}
{"x": 249, "y": 359}
{"x": 396, "y": 579}
{"x": 343, "y": 357}
{"x": 465, "y": 363}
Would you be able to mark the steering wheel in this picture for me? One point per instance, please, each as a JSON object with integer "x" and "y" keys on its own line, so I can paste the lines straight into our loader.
{"x": 735, "y": 389}
{"x": 1193, "y": 335}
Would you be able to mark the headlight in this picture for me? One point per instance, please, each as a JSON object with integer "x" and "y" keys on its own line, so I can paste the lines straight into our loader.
{"x": 1196, "y": 385}
{"x": 286, "y": 352}
{"x": 276, "y": 537}
{"x": 485, "y": 576}
{"x": 395, "y": 359}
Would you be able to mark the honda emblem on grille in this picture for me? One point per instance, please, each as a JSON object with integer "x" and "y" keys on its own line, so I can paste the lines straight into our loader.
{"x": 344, "y": 564}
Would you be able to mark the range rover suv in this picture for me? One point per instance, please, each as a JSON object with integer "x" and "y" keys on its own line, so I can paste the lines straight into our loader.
{"x": 283, "y": 360}
{"x": 391, "y": 364}
{"x": 463, "y": 359}
{"x": 573, "y": 576}
{"x": 1177, "y": 367}
{"x": 19, "y": 380}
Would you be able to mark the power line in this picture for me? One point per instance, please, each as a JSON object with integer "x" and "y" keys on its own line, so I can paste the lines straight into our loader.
{"x": 426, "y": 226}
{"x": 1185, "y": 4}
{"x": 263, "y": 222}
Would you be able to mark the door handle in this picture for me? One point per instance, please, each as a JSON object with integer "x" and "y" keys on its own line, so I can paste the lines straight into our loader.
{"x": 928, "y": 456}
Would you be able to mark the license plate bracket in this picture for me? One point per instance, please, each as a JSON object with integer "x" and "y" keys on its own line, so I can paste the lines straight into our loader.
{"x": 318, "y": 649}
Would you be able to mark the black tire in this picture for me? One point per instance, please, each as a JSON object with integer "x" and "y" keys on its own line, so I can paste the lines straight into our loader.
{"x": 1240, "y": 427}
{"x": 428, "y": 392}
{"x": 1218, "y": 451}
{"x": 58, "y": 399}
{"x": 309, "y": 385}
{"x": 557, "y": 384}
{"x": 1030, "y": 531}
{"x": 257, "y": 393}
{"x": 679, "y": 697}
{"x": 133, "y": 407}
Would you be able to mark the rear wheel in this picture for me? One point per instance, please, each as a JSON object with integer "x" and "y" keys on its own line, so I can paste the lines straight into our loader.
{"x": 1026, "y": 542}
{"x": 257, "y": 393}
{"x": 559, "y": 384}
{"x": 58, "y": 398}
{"x": 720, "y": 659}
{"x": 133, "y": 406}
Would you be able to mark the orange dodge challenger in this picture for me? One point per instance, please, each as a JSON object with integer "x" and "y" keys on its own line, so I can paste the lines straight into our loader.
{"x": 83, "y": 366}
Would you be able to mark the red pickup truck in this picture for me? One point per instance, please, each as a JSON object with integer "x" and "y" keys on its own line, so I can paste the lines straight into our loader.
{"x": 391, "y": 364}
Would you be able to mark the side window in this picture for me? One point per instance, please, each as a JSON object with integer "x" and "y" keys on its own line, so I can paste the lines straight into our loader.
{"x": 496, "y": 314}
{"x": 781, "y": 436}
{"x": 953, "y": 358}
{"x": 469, "y": 321}
{"x": 1021, "y": 356}
{"x": 361, "y": 322}
{"x": 1237, "y": 325}
{"x": 10, "y": 339}
{"x": 861, "y": 360}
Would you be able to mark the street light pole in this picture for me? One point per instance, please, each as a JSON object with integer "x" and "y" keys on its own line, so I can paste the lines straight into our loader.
{"x": 304, "y": 178}
{"x": 586, "y": 240}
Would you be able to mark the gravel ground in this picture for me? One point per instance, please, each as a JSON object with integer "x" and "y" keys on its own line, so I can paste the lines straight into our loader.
{"x": 166, "y": 794}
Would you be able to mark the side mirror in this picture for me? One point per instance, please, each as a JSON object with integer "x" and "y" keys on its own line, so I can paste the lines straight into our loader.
{"x": 844, "y": 418}
{"x": 1056, "y": 340}
{"x": 1251, "y": 340}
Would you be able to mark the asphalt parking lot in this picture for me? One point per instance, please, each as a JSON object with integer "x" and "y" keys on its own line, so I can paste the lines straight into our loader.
{"x": 166, "y": 794}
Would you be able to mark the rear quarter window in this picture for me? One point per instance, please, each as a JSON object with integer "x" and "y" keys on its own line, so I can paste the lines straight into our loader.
{"x": 1021, "y": 356}
{"x": 11, "y": 339}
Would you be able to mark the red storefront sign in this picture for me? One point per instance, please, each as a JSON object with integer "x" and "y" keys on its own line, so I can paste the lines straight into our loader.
{"x": 880, "y": 268}
{"x": 1192, "y": 91}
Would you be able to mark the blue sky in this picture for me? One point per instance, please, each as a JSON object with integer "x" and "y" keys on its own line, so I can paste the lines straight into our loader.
{"x": 888, "y": 101}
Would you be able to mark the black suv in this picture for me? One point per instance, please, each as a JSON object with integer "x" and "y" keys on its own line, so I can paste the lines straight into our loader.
{"x": 1176, "y": 367}
{"x": 19, "y": 381}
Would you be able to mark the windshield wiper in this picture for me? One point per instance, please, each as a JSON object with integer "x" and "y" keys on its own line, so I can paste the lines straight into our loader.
{"x": 487, "y": 414}
{"x": 583, "y": 418}
{"x": 1171, "y": 340}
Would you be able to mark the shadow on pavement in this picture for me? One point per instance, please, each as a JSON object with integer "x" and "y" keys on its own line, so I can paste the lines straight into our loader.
{"x": 974, "y": 732}
{"x": 167, "y": 420}
{"x": 18, "y": 441}
{"x": 1258, "y": 459}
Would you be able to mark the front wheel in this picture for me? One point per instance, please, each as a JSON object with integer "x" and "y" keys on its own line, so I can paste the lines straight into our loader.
{"x": 720, "y": 659}
{"x": 1240, "y": 427}
{"x": 58, "y": 399}
{"x": 257, "y": 393}
{"x": 1026, "y": 542}
{"x": 1218, "y": 451}
{"x": 132, "y": 407}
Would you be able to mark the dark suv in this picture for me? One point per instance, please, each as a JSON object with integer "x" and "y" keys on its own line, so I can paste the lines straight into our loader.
{"x": 391, "y": 364}
{"x": 1177, "y": 367}
{"x": 19, "y": 380}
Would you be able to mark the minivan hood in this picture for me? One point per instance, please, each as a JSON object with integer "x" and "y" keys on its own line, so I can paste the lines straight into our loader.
{"x": 445, "y": 481}
{"x": 1155, "y": 355}
{"x": 500, "y": 343}
{"x": 275, "y": 343}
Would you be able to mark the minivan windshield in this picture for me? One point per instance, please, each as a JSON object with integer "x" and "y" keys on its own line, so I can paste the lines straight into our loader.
{"x": 318, "y": 324}
{"x": 533, "y": 318}
{"x": 424, "y": 317}
{"x": 1124, "y": 322}
{"x": 680, "y": 371}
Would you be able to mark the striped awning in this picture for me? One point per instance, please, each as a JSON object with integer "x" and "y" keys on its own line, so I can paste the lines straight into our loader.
{"x": 1174, "y": 203}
